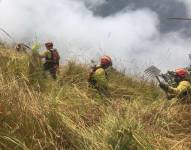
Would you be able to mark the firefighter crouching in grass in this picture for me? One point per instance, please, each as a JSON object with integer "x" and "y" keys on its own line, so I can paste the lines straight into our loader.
{"x": 183, "y": 90}
{"x": 98, "y": 75}
{"x": 52, "y": 59}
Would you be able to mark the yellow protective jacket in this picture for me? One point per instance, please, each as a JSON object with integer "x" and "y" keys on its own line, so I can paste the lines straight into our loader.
{"x": 46, "y": 54}
{"x": 100, "y": 78}
{"x": 183, "y": 89}
{"x": 51, "y": 56}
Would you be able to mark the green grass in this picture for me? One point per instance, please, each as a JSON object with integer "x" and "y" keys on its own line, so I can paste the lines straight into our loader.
{"x": 39, "y": 113}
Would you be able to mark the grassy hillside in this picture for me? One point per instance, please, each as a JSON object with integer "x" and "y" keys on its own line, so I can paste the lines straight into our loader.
{"x": 39, "y": 113}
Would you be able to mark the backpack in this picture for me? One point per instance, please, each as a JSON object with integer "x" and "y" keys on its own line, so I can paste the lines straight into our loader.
{"x": 55, "y": 57}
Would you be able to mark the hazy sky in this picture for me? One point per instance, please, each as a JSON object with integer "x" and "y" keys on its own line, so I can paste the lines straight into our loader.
{"x": 136, "y": 33}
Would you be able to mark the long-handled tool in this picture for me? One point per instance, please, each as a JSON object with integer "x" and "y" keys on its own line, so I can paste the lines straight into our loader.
{"x": 153, "y": 71}
{"x": 7, "y": 34}
{"x": 13, "y": 40}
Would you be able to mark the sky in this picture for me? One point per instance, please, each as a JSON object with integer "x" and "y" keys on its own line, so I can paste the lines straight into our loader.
{"x": 135, "y": 33}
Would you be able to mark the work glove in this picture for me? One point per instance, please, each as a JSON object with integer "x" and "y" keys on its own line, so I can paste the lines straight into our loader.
{"x": 164, "y": 86}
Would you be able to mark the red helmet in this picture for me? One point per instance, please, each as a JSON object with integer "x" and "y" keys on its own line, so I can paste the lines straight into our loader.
{"x": 49, "y": 44}
{"x": 106, "y": 61}
{"x": 181, "y": 72}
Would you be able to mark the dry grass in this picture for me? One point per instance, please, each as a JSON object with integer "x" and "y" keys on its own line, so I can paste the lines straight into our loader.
{"x": 38, "y": 113}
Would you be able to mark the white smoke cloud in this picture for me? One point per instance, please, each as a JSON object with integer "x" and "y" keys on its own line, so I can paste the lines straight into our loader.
{"x": 128, "y": 35}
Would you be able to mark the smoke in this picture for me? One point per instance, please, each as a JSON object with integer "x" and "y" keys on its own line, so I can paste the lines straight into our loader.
{"x": 93, "y": 3}
{"x": 187, "y": 5}
{"x": 131, "y": 37}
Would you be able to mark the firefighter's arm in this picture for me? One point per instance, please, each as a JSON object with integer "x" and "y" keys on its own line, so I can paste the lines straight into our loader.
{"x": 90, "y": 74}
{"x": 182, "y": 87}
{"x": 43, "y": 55}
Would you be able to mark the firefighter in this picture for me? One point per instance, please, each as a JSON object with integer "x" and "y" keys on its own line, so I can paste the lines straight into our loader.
{"x": 98, "y": 74}
{"x": 52, "y": 59}
{"x": 183, "y": 89}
